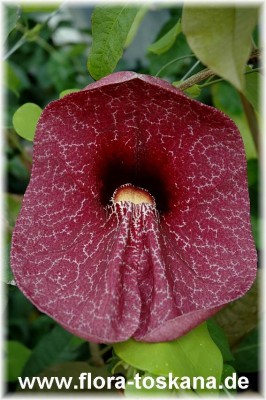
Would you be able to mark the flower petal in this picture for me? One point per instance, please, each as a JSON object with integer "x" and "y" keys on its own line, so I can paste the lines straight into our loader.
{"x": 108, "y": 272}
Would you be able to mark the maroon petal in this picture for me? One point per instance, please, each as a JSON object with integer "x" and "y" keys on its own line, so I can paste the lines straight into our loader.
{"x": 108, "y": 269}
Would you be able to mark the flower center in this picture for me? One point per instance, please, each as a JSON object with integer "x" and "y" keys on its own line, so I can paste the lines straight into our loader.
{"x": 132, "y": 194}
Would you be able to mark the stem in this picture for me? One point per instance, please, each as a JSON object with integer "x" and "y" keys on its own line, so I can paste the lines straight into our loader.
{"x": 115, "y": 367}
{"x": 206, "y": 73}
{"x": 96, "y": 353}
{"x": 190, "y": 70}
{"x": 228, "y": 394}
{"x": 174, "y": 60}
{"x": 19, "y": 43}
{"x": 23, "y": 39}
{"x": 96, "y": 358}
{"x": 220, "y": 79}
{"x": 46, "y": 46}
{"x": 200, "y": 76}
{"x": 211, "y": 82}
{"x": 38, "y": 39}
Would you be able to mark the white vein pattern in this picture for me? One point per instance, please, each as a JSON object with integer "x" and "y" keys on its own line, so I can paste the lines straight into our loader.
{"x": 110, "y": 272}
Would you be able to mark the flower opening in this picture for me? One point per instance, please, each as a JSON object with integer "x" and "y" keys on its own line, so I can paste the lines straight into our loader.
{"x": 132, "y": 194}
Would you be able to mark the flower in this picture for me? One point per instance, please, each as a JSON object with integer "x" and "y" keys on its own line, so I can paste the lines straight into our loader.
{"x": 136, "y": 219}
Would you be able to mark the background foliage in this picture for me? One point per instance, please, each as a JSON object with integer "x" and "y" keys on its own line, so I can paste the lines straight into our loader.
{"x": 47, "y": 51}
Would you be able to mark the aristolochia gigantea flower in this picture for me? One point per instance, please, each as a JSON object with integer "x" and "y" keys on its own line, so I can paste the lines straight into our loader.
{"x": 136, "y": 219}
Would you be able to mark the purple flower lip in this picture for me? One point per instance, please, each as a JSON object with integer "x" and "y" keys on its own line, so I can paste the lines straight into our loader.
{"x": 136, "y": 219}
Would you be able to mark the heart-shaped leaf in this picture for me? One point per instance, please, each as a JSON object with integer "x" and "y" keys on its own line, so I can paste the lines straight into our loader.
{"x": 25, "y": 120}
{"x": 221, "y": 38}
{"x": 194, "y": 354}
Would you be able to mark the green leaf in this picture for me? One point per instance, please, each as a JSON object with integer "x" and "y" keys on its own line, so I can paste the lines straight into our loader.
{"x": 244, "y": 313}
{"x": 140, "y": 390}
{"x": 60, "y": 71}
{"x": 253, "y": 172}
{"x": 110, "y": 29}
{"x": 253, "y": 81}
{"x": 256, "y": 231}
{"x": 8, "y": 276}
{"x": 228, "y": 370}
{"x": 170, "y": 62}
{"x": 11, "y": 81}
{"x": 11, "y": 16}
{"x": 194, "y": 354}
{"x": 25, "y": 120}
{"x": 17, "y": 356}
{"x": 18, "y": 170}
{"x": 47, "y": 351}
{"x": 220, "y": 339}
{"x": 13, "y": 205}
{"x": 32, "y": 34}
{"x": 221, "y": 38}
{"x": 254, "y": 195}
{"x": 12, "y": 208}
{"x": 39, "y": 8}
{"x": 242, "y": 124}
{"x": 167, "y": 41}
{"x": 67, "y": 91}
{"x": 227, "y": 99}
{"x": 247, "y": 353}
{"x": 73, "y": 350}
{"x": 135, "y": 26}
{"x": 194, "y": 91}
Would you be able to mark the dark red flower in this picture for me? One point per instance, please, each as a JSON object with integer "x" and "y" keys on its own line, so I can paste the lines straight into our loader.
{"x": 136, "y": 221}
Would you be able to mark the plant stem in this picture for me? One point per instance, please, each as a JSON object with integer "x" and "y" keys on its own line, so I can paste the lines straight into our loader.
{"x": 228, "y": 394}
{"x": 46, "y": 46}
{"x": 23, "y": 29}
{"x": 19, "y": 43}
{"x": 206, "y": 73}
{"x": 174, "y": 60}
{"x": 211, "y": 82}
{"x": 208, "y": 83}
{"x": 191, "y": 70}
{"x": 200, "y": 76}
{"x": 96, "y": 356}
